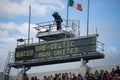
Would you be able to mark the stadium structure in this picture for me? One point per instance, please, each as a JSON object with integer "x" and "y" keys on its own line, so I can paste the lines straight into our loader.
{"x": 59, "y": 41}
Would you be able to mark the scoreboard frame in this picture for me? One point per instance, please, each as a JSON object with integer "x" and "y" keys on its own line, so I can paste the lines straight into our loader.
{"x": 56, "y": 49}
{"x": 73, "y": 48}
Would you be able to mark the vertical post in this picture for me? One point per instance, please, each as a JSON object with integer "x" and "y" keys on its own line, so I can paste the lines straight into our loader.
{"x": 84, "y": 68}
{"x": 3, "y": 75}
{"x": 23, "y": 73}
{"x": 18, "y": 74}
{"x": 17, "y": 43}
{"x": 82, "y": 62}
{"x": 102, "y": 47}
{"x": 88, "y": 18}
{"x": 67, "y": 13}
{"x": 96, "y": 30}
{"x": 79, "y": 28}
{"x": 32, "y": 40}
{"x": 29, "y": 23}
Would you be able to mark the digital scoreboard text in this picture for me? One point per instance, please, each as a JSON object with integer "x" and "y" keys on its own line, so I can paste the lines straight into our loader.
{"x": 52, "y": 50}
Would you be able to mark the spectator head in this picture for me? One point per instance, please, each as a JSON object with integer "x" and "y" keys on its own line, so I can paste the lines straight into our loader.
{"x": 55, "y": 74}
{"x": 51, "y": 76}
{"x": 32, "y": 78}
{"x": 106, "y": 71}
{"x": 91, "y": 74}
{"x": 87, "y": 73}
{"x": 73, "y": 74}
{"x": 48, "y": 77}
{"x": 45, "y": 77}
{"x": 102, "y": 71}
{"x": 96, "y": 72}
{"x": 25, "y": 74}
{"x": 113, "y": 69}
{"x": 66, "y": 74}
{"x": 63, "y": 74}
{"x": 35, "y": 77}
{"x": 117, "y": 67}
{"x": 59, "y": 73}
{"x": 79, "y": 75}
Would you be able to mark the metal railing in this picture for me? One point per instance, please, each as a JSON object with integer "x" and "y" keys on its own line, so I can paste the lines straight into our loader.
{"x": 73, "y": 26}
{"x": 100, "y": 47}
{"x": 50, "y": 26}
{"x": 24, "y": 41}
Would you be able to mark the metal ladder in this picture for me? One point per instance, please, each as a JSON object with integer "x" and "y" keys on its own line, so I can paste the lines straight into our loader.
{"x": 7, "y": 67}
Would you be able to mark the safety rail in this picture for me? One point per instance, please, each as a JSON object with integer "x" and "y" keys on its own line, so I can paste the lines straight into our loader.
{"x": 50, "y": 26}
{"x": 24, "y": 41}
{"x": 100, "y": 47}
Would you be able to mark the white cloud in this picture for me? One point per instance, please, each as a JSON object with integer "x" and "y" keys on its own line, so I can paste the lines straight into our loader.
{"x": 113, "y": 49}
{"x": 8, "y": 40}
{"x": 57, "y": 2}
{"x": 41, "y": 7}
{"x": 8, "y": 26}
{"x": 11, "y": 31}
{"x": 3, "y": 34}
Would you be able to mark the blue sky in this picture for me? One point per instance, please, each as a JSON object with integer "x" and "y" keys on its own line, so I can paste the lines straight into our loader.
{"x": 104, "y": 15}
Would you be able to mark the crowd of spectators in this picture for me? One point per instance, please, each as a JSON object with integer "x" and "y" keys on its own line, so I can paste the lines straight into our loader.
{"x": 97, "y": 75}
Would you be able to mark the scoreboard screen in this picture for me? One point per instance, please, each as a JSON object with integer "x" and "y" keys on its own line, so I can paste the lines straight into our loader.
{"x": 56, "y": 49}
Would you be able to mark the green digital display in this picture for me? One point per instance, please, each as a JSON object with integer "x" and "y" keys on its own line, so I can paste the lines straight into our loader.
{"x": 52, "y": 50}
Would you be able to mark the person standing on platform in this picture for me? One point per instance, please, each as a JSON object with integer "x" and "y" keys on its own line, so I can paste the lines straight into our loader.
{"x": 58, "y": 20}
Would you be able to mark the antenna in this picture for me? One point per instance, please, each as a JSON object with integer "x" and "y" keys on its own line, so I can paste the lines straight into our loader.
{"x": 96, "y": 31}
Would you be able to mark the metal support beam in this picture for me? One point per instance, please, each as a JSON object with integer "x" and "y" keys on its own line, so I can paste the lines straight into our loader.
{"x": 23, "y": 73}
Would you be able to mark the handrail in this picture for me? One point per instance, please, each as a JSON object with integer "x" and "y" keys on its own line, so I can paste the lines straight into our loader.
{"x": 100, "y": 46}
{"x": 50, "y": 26}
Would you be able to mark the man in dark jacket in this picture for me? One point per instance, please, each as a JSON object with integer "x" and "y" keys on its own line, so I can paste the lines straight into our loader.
{"x": 117, "y": 70}
{"x": 58, "y": 20}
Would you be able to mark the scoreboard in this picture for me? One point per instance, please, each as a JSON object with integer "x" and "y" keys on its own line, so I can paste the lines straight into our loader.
{"x": 56, "y": 49}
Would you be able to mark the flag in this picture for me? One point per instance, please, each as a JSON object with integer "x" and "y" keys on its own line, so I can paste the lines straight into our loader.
{"x": 70, "y": 3}
{"x": 78, "y": 6}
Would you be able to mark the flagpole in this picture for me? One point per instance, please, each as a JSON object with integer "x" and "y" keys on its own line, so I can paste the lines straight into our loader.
{"x": 88, "y": 18}
{"x": 29, "y": 23}
{"x": 67, "y": 13}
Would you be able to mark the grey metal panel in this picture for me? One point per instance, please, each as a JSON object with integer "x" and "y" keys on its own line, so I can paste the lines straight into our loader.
{"x": 1, "y": 75}
{"x": 44, "y": 61}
